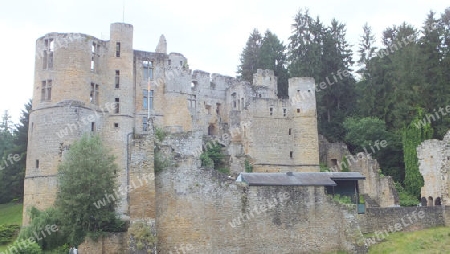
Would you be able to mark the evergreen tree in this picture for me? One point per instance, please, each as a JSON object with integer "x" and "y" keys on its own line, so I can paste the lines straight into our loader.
{"x": 12, "y": 177}
{"x": 250, "y": 56}
{"x": 272, "y": 56}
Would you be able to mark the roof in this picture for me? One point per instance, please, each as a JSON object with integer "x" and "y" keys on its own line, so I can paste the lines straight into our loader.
{"x": 298, "y": 178}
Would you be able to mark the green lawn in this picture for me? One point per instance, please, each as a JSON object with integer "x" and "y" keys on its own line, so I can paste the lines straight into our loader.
{"x": 428, "y": 241}
{"x": 10, "y": 214}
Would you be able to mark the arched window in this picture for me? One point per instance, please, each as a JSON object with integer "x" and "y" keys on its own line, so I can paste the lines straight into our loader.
{"x": 423, "y": 201}
{"x": 437, "y": 201}
{"x": 430, "y": 201}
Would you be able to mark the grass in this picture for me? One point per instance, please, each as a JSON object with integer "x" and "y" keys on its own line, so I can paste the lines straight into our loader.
{"x": 10, "y": 214}
{"x": 427, "y": 241}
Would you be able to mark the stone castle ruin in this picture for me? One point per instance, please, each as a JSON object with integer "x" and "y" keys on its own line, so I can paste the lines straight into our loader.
{"x": 87, "y": 85}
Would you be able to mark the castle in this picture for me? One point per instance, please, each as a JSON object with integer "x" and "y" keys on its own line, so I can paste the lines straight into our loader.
{"x": 86, "y": 85}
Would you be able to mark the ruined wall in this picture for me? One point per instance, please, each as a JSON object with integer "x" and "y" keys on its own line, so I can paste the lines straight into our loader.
{"x": 434, "y": 163}
{"x": 115, "y": 243}
{"x": 409, "y": 218}
{"x": 331, "y": 153}
{"x": 380, "y": 188}
{"x": 202, "y": 208}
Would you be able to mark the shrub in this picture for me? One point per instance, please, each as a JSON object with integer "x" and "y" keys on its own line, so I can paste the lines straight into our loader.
{"x": 25, "y": 247}
{"x": 7, "y": 233}
{"x": 248, "y": 167}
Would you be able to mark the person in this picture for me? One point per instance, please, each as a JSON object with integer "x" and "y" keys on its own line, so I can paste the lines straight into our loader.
{"x": 75, "y": 250}
{"x": 71, "y": 250}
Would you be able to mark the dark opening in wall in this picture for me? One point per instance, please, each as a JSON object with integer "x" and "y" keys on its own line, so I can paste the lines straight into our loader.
{"x": 117, "y": 49}
{"x": 169, "y": 62}
{"x": 116, "y": 125}
{"x": 437, "y": 201}
{"x": 291, "y": 154}
{"x": 271, "y": 111}
{"x": 284, "y": 112}
{"x": 145, "y": 123}
{"x": 298, "y": 110}
{"x": 116, "y": 105}
{"x": 93, "y": 126}
{"x": 117, "y": 79}
{"x": 37, "y": 163}
{"x": 290, "y": 131}
{"x": 218, "y": 108}
{"x": 334, "y": 162}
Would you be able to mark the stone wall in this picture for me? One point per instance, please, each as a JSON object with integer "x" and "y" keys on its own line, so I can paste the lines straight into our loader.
{"x": 409, "y": 218}
{"x": 434, "y": 164}
{"x": 204, "y": 210}
{"x": 111, "y": 244}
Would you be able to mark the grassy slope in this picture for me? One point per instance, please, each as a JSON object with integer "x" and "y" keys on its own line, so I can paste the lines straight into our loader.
{"x": 433, "y": 240}
{"x": 10, "y": 214}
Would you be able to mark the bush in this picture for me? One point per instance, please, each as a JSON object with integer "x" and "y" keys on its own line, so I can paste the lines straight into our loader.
{"x": 7, "y": 233}
{"x": 406, "y": 199}
{"x": 42, "y": 221}
{"x": 25, "y": 247}
{"x": 342, "y": 199}
{"x": 248, "y": 167}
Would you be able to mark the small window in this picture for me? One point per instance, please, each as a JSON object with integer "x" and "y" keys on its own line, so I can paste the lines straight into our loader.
{"x": 116, "y": 125}
{"x": 218, "y": 108}
{"x": 259, "y": 95}
{"x": 291, "y": 154}
{"x": 37, "y": 163}
{"x": 117, "y": 49}
{"x": 116, "y": 105}
{"x": 92, "y": 126}
{"x": 181, "y": 63}
{"x": 298, "y": 110}
{"x": 284, "y": 112}
{"x": 169, "y": 62}
{"x": 271, "y": 111}
{"x": 145, "y": 124}
{"x": 290, "y": 131}
{"x": 46, "y": 90}
{"x": 117, "y": 79}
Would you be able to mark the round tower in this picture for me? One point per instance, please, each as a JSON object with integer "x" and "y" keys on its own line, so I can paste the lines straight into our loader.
{"x": 305, "y": 151}
{"x": 82, "y": 85}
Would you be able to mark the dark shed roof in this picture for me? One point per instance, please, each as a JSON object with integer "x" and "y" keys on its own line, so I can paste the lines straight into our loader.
{"x": 297, "y": 179}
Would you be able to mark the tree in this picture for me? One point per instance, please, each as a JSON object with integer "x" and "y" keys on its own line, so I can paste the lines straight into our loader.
{"x": 369, "y": 134}
{"x": 250, "y": 56}
{"x": 12, "y": 177}
{"x": 272, "y": 56}
{"x": 86, "y": 175}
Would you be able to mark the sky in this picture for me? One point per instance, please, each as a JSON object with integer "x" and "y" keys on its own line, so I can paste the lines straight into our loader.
{"x": 211, "y": 34}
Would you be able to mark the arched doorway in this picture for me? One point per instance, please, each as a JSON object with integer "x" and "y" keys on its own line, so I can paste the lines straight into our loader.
{"x": 212, "y": 130}
{"x": 437, "y": 201}
{"x": 423, "y": 201}
{"x": 430, "y": 201}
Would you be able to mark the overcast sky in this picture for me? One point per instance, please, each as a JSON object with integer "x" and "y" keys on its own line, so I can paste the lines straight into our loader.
{"x": 211, "y": 34}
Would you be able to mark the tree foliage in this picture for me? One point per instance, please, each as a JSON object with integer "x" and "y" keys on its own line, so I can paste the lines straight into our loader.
{"x": 86, "y": 175}
{"x": 13, "y": 142}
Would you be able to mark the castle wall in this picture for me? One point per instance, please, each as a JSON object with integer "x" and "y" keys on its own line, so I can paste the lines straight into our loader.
{"x": 200, "y": 208}
{"x": 432, "y": 157}
{"x": 409, "y": 218}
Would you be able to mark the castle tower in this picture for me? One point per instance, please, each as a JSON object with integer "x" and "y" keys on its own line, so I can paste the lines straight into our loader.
{"x": 302, "y": 98}
{"x": 81, "y": 85}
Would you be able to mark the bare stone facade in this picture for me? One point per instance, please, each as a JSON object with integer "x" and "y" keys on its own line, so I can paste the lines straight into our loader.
{"x": 378, "y": 190}
{"x": 434, "y": 165}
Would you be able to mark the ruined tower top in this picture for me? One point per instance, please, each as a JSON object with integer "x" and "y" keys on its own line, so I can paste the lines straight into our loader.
{"x": 162, "y": 45}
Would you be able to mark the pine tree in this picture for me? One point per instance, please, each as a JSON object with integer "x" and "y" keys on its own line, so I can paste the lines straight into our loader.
{"x": 272, "y": 56}
{"x": 12, "y": 177}
{"x": 250, "y": 56}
